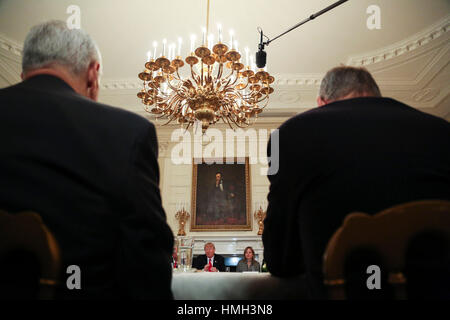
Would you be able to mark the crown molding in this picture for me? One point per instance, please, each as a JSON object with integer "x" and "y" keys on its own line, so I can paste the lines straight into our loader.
{"x": 295, "y": 93}
{"x": 399, "y": 48}
{"x": 313, "y": 80}
{"x": 114, "y": 85}
{"x": 10, "y": 45}
{"x": 8, "y": 73}
{"x": 437, "y": 30}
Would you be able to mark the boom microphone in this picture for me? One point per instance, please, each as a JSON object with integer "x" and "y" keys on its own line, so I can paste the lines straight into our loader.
{"x": 261, "y": 55}
{"x": 261, "y": 58}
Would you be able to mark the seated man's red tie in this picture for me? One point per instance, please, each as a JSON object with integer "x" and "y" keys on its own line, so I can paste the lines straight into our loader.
{"x": 210, "y": 265}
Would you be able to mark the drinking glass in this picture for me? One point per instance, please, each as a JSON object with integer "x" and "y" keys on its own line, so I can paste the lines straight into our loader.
{"x": 186, "y": 246}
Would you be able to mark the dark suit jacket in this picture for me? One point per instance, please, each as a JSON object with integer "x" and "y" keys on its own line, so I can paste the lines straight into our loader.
{"x": 201, "y": 261}
{"x": 363, "y": 154}
{"x": 91, "y": 172}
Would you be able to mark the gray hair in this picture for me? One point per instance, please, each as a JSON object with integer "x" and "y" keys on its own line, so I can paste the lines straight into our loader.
{"x": 53, "y": 42}
{"x": 342, "y": 81}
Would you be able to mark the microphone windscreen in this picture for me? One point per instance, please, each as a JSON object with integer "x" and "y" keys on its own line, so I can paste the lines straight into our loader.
{"x": 261, "y": 57}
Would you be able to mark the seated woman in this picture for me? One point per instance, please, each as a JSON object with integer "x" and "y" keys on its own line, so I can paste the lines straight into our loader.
{"x": 248, "y": 263}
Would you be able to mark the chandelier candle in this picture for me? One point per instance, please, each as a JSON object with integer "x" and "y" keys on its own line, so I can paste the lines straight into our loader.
{"x": 164, "y": 47}
{"x": 231, "y": 38}
{"x": 220, "y": 33}
{"x": 192, "y": 44}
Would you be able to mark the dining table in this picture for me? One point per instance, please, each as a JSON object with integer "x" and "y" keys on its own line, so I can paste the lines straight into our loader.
{"x": 194, "y": 284}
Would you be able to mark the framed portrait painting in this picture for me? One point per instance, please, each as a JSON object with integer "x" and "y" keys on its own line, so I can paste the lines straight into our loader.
{"x": 220, "y": 196}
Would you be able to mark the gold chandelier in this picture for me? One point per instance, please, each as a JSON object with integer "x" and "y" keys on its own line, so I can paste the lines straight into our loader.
{"x": 221, "y": 87}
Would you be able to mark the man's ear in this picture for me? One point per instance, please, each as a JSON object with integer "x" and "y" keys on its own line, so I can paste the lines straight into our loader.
{"x": 92, "y": 80}
{"x": 321, "y": 102}
{"x": 22, "y": 75}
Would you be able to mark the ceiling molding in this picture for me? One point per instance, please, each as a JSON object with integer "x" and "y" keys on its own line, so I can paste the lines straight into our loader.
{"x": 10, "y": 61}
{"x": 8, "y": 73}
{"x": 281, "y": 80}
{"x": 399, "y": 48}
{"x": 426, "y": 52}
{"x": 305, "y": 81}
{"x": 114, "y": 86}
{"x": 10, "y": 45}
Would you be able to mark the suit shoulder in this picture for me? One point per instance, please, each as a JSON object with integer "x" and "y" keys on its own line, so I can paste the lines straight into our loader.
{"x": 303, "y": 119}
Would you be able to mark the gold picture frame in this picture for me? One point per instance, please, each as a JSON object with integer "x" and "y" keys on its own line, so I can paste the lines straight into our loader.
{"x": 221, "y": 203}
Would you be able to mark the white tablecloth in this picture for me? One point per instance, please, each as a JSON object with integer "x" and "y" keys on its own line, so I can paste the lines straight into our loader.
{"x": 232, "y": 286}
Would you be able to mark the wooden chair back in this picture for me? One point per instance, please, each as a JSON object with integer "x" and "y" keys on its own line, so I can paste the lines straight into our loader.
{"x": 389, "y": 232}
{"x": 25, "y": 232}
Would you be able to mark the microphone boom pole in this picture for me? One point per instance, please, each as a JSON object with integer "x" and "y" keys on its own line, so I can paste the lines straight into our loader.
{"x": 261, "y": 55}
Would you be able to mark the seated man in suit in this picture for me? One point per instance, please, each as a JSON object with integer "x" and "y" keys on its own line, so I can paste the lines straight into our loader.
{"x": 357, "y": 152}
{"x": 209, "y": 261}
{"x": 90, "y": 170}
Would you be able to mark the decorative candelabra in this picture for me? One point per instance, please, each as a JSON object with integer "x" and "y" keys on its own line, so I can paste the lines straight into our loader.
{"x": 182, "y": 216}
{"x": 260, "y": 215}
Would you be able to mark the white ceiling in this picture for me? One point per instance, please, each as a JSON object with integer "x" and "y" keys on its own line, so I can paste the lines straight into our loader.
{"x": 409, "y": 56}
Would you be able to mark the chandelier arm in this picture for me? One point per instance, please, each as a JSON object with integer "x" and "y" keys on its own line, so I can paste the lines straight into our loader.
{"x": 219, "y": 72}
{"x": 262, "y": 99}
{"x": 172, "y": 87}
{"x": 236, "y": 123}
{"x": 232, "y": 119}
{"x": 229, "y": 75}
{"x": 229, "y": 118}
{"x": 182, "y": 93}
{"x": 202, "y": 74}
{"x": 265, "y": 104}
{"x": 247, "y": 99}
{"x": 176, "y": 102}
{"x": 230, "y": 90}
{"x": 227, "y": 108}
{"x": 239, "y": 95}
{"x": 170, "y": 120}
{"x": 170, "y": 102}
{"x": 187, "y": 127}
{"x": 178, "y": 74}
{"x": 153, "y": 85}
{"x": 245, "y": 87}
{"x": 164, "y": 96}
{"x": 175, "y": 77}
{"x": 187, "y": 83}
{"x": 235, "y": 80}
{"x": 210, "y": 78}
{"x": 227, "y": 84}
{"x": 227, "y": 121}
{"x": 195, "y": 76}
{"x": 160, "y": 117}
{"x": 179, "y": 107}
{"x": 172, "y": 111}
